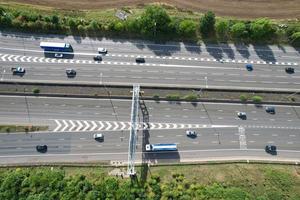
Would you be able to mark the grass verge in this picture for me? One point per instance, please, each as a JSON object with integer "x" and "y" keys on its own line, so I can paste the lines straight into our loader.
{"x": 21, "y": 128}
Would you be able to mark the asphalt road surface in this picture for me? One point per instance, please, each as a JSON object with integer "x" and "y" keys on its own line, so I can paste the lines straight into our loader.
{"x": 220, "y": 133}
{"x": 206, "y": 65}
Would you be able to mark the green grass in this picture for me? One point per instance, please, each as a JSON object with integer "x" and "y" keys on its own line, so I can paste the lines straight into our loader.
{"x": 21, "y": 128}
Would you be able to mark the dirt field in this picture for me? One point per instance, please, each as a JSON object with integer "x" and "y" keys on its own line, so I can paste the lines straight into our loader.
{"x": 277, "y": 9}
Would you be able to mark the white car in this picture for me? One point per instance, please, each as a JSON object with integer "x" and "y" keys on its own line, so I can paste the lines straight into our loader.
{"x": 98, "y": 136}
{"x": 58, "y": 55}
{"x": 242, "y": 115}
{"x": 102, "y": 50}
{"x": 191, "y": 133}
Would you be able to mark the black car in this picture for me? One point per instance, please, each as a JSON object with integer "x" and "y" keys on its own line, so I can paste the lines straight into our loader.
{"x": 289, "y": 70}
{"x": 70, "y": 72}
{"x": 140, "y": 60}
{"x": 97, "y": 58}
{"x": 270, "y": 109}
{"x": 271, "y": 149}
{"x": 41, "y": 148}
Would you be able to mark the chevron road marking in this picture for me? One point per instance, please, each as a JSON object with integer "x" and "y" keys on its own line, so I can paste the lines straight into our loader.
{"x": 242, "y": 138}
{"x": 73, "y": 125}
{"x": 87, "y": 126}
{"x": 66, "y": 125}
{"x": 109, "y": 125}
{"x": 102, "y": 125}
{"x": 58, "y": 126}
{"x": 94, "y": 125}
{"x": 116, "y": 126}
{"x": 80, "y": 125}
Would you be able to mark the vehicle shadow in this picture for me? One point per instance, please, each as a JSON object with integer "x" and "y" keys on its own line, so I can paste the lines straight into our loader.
{"x": 65, "y": 56}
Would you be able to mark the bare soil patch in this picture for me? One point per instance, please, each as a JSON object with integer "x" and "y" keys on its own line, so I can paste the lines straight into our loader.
{"x": 277, "y": 9}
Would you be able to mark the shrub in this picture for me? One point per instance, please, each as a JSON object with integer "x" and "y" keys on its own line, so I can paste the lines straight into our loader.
{"x": 36, "y": 90}
{"x": 243, "y": 97}
{"x": 222, "y": 28}
{"x": 239, "y": 30}
{"x": 295, "y": 39}
{"x": 257, "y": 99}
{"x": 156, "y": 96}
{"x": 187, "y": 28}
{"x": 261, "y": 29}
{"x": 191, "y": 97}
{"x": 173, "y": 97}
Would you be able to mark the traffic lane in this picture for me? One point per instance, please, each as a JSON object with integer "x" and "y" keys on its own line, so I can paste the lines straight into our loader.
{"x": 219, "y": 138}
{"x": 158, "y": 112}
{"x": 215, "y": 51}
{"x": 111, "y": 77}
{"x": 283, "y": 139}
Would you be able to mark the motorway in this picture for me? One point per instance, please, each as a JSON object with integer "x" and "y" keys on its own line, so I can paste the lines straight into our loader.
{"x": 172, "y": 64}
{"x": 72, "y": 122}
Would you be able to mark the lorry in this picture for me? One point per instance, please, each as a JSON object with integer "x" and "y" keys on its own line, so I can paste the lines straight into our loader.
{"x": 161, "y": 147}
{"x": 18, "y": 71}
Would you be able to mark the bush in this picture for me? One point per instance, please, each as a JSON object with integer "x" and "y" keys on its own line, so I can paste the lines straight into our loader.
{"x": 191, "y": 97}
{"x": 207, "y": 24}
{"x": 156, "y": 96}
{"x": 239, "y": 30}
{"x": 187, "y": 28}
{"x": 257, "y": 99}
{"x": 36, "y": 90}
{"x": 243, "y": 97}
{"x": 262, "y": 29}
{"x": 173, "y": 97}
{"x": 222, "y": 28}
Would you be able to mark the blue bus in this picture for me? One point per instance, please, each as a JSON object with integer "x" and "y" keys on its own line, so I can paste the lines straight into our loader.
{"x": 56, "y": 46}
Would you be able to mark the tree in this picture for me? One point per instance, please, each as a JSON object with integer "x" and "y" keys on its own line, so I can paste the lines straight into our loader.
{"x": 187, "y": 28}
{"x": 261, "y": 29}
{"x": 239, "y": 30}
{"x": 207, "y": 24}
{"x": 222, "y": 28}
{"x": 154, "y": 21}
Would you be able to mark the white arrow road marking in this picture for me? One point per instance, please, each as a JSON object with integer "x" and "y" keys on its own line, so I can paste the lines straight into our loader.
{"x": 80, "y": 125}
{"x": 73, "y": 125}
{"x": 3, "y": 57}
{"x": 22, "y": 58}
{"x": 123, "y": 125}
{"x": 95, "y": 126}
{"x": 28, "y": 59}
{"x": 66, "y": 125}
{"x": 159, "y": 126}
{"x": 101, "y": 125}
{"x": 108, "y": 126}
{"x": 41, "y": 59}
{"x": 58, "y": 126}
{"x": 116, "y": 126}
{"x": 16, "y": 58}
{"x": 167, "y": 126}
{"x": 87, "y": 126}
{"x": 181, "y": 125}
{"x": 10, "y": 57}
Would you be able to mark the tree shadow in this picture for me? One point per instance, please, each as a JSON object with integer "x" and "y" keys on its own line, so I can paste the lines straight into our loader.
{"x": 242, "y": 49}
{"x": 228, "y": 51}
{"x": 265, "y": 53}
{"x": 192, "y": 48}
{"x": 215, "y": 51}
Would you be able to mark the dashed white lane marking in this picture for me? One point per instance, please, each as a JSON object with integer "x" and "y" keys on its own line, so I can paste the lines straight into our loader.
{"x": 242, "y": 138}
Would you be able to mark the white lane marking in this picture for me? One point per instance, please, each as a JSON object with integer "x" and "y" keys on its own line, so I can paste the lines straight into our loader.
{"x": 242, "y": 138}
